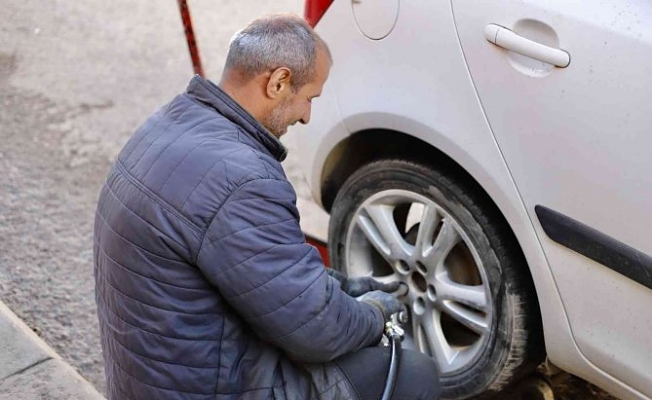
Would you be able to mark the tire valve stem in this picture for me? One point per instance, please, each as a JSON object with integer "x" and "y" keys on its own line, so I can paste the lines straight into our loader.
{"x": 402, "y": 290}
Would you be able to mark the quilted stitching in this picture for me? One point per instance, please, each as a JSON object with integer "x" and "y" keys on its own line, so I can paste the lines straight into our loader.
{"x": 199, "y": 193}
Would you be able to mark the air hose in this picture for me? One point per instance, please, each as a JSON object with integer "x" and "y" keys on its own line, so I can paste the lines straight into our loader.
{"x": 394, "y": 334}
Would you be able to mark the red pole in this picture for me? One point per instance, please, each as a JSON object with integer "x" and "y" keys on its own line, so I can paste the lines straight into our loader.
{"x": 190, "y": 37}
{"x": 321, "y": 247}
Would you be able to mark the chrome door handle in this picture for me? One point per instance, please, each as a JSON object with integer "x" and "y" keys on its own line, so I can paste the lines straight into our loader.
{"x": 508, "y": 39}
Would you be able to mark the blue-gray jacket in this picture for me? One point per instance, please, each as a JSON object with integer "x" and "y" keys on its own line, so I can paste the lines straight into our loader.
{"x": 205, "y": 286}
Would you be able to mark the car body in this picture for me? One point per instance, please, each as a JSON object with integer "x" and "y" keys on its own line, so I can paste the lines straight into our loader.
{"x": 562, "y": 152}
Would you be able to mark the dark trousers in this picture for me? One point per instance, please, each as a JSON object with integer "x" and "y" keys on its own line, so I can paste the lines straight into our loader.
{"x": 367, "y": 371}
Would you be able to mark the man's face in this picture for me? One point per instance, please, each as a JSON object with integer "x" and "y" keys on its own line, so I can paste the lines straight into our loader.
{"x": 297, "y": 106}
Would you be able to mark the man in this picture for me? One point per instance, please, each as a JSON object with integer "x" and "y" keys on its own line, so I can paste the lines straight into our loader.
{"x": 205, "y": 286}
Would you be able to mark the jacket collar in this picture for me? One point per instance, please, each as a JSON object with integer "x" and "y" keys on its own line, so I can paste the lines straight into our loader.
{"x": 209, "y": 93}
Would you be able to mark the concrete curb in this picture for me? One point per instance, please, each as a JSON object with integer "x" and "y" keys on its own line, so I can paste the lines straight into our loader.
{"x": 30, "y": 369}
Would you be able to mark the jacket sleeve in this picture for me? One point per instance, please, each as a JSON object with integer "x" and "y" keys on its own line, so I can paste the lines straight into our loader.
{"x": 255, "y": 254}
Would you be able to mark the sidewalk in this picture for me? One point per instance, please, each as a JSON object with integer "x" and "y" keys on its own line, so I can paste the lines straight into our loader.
{"x": 31, "y": 370}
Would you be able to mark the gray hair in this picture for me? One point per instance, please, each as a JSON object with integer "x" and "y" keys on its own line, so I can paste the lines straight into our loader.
{"x": 275, "y": 41}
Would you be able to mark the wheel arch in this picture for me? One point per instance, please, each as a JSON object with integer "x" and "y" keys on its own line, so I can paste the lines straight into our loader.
{"x": 375, "y": 144}
{"x": 368, "y": 146}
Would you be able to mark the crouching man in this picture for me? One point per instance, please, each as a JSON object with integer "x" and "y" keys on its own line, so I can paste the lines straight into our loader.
{"x": 205, "y": 286}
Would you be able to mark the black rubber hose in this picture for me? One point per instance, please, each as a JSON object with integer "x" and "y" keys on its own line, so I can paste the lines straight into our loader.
{"x": 394, "y": 361}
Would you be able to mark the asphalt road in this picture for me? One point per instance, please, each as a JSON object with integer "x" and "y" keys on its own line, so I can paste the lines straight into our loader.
{"x": 76, "y": 78}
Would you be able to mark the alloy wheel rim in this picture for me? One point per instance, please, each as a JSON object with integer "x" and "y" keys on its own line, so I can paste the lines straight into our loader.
{"x": 399, "y": 235}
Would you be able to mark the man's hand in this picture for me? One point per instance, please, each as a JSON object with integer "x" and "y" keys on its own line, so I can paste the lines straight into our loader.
{"x": 385, "y": 302}
{"x": 355, "y": 287}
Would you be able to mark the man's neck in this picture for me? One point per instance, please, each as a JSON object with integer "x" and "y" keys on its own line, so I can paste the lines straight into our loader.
{"x": 243, "y": 93}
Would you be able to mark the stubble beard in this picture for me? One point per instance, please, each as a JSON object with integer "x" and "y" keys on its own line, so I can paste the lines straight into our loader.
{"x": 277, "y": 123}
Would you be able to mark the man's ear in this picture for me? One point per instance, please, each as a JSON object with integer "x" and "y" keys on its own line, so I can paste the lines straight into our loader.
{"x": 279, "y": 82}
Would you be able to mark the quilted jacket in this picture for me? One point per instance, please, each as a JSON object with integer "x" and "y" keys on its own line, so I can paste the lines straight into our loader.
{"x": 205, "y": 286}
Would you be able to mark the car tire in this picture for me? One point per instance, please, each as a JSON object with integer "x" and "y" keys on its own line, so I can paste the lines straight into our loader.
{"x": 471, "y": 300}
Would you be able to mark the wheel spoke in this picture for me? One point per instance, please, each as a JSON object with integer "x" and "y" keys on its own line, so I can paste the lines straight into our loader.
{"x": 388, "y": 235}
{"x": 367, "y": 226}
{"x": 472, "y": 296}
{"x": 471, "y": 319}
{"x": 439, "y": 347}
{"x": 419, "y": 336}
{"x": 444, "y": 243}
{"x": 429, "y": 222}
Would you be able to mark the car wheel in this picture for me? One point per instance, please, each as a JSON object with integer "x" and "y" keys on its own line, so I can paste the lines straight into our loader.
{"x": 471, "y": 302}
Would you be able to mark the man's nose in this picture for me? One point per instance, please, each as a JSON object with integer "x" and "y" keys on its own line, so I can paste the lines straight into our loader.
{"x": 306, "y": 117}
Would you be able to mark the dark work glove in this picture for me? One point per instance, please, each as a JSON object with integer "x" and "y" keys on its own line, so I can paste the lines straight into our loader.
{"x": 355, "y": 287}
{"x": 385, "y": 302}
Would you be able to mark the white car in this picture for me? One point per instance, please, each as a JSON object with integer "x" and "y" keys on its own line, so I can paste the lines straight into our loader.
{"x": 496, "y": 156}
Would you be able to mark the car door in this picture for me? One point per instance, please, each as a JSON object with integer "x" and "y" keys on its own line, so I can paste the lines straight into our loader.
{"x": 577, "y": 139}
